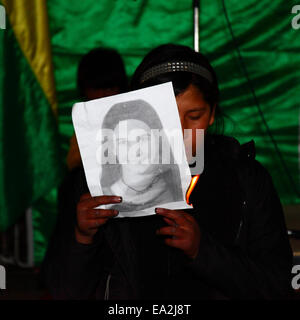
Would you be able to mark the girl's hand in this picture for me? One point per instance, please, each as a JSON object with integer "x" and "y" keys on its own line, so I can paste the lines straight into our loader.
{"x": 184, "y": 230}
{"x": 90, "y": 219}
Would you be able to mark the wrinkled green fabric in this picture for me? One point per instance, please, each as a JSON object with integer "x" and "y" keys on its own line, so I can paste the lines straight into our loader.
{"x": 269, "y": 46}
{"x": 29, "y": 156}
{"x": 270, "y": 49}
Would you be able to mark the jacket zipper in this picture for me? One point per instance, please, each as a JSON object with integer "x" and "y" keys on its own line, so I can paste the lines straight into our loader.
{"x": 106, "y": 294}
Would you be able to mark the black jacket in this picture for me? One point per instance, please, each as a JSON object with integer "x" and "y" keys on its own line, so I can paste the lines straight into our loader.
{"x": 244, "y": 249}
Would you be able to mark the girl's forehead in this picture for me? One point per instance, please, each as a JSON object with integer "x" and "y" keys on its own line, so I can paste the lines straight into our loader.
{"x": 189, "y": 98}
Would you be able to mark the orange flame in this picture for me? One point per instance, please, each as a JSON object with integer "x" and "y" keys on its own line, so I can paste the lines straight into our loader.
{"x": 191, "y": 188}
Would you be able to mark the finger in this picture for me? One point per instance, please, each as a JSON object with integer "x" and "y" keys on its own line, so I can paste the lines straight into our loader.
{"x": 189, "y": 217}
{"x": 100, "y": 200}
{"x": 180, "y": 213}
{"x": 170, "y": 231}
{"x": 170, "y": 222}
{"x": 174, "y": 215}
{"x": 176, "y": 243}
{"x": 101, "y": 213}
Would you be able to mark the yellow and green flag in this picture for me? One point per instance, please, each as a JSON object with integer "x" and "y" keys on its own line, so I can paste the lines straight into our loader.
{"x": 29, "y": 149}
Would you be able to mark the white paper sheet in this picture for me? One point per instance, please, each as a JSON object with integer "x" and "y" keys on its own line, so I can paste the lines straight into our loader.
{"x": 118, "y": 138}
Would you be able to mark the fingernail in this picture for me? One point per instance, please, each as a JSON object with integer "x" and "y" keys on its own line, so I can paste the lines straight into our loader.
{"x": 158, "y": 210}
{"x": 119, "y": 199}
{"x": 116, "y": 212}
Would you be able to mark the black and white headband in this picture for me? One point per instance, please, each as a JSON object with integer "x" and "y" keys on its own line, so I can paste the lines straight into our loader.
{"x": 176, "y": 66}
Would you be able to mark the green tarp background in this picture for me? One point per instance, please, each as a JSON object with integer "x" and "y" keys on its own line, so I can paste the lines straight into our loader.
{"x": 270, "y": 48}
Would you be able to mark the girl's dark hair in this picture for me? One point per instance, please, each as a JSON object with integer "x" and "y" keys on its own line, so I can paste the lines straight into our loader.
{"x": 134, "y": 109}
{"x": 181, "y": 79}
{"x": 101, "y": 68}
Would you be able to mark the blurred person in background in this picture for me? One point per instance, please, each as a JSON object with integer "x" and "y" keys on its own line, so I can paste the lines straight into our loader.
{"x": 101, "y": 73}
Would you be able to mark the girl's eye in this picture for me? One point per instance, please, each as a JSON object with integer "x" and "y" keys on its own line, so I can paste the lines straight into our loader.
{"x": 195, "y": 115}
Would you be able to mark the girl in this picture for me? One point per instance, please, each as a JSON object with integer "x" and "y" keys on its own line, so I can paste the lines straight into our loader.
{"x": 233, "y": 244}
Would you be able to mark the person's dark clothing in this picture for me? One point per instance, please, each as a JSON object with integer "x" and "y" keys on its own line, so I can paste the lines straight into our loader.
{"x": 244, "y": 250}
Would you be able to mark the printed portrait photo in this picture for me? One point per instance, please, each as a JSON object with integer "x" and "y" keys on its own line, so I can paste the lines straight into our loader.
{"x": 127, "y": 149}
